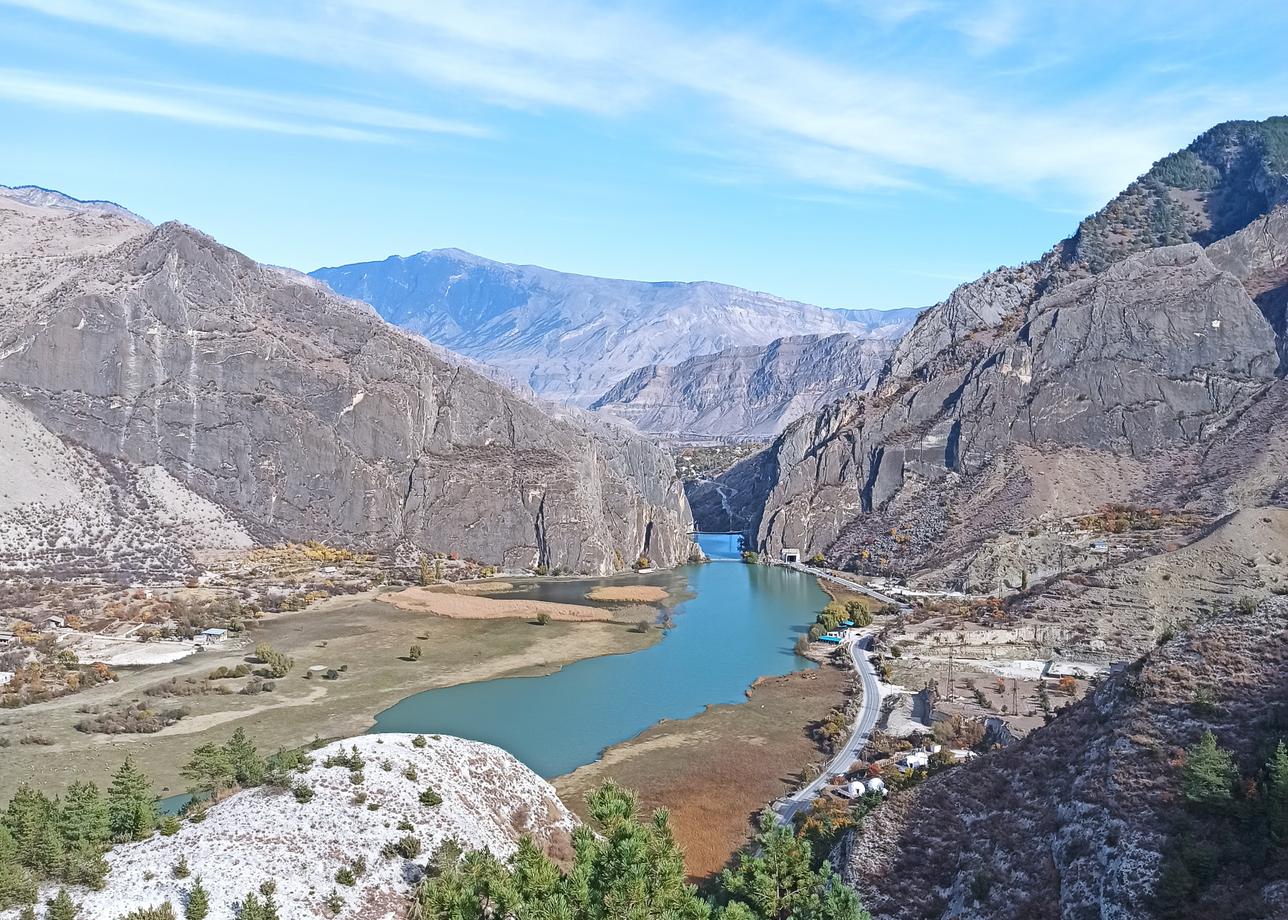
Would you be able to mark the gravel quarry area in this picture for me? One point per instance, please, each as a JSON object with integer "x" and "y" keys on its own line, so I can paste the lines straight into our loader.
{"x": 124, "y": 653}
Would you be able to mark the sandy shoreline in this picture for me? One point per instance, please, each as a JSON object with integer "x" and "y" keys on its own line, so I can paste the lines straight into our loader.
{"x": 470, "y": 607}
{"x": 640, "y": 594}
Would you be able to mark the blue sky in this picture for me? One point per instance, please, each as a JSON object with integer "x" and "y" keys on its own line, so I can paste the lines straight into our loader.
{"x": 842, "y": 152}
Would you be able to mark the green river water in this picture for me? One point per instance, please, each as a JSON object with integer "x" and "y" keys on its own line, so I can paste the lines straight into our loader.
{"x": 735, "y": 623}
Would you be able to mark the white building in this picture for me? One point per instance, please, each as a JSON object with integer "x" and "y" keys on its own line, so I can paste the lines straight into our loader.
{"x": 919, "y": 760}
{"x": 914, "y": 760}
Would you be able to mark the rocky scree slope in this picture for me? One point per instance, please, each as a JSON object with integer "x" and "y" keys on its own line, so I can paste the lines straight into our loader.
{"x": 1079, "y": 818}
{"x": 1149, "y": 352}
{"x": 572, "y": 337}
{"x": 302, "y": 414}
{"x": 66, "y": 512}
{"x": 489, "y": 800}
{"x": 750, "y": 392}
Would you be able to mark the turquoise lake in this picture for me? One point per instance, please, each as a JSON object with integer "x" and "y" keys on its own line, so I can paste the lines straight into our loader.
{"x": 736, "y": 623}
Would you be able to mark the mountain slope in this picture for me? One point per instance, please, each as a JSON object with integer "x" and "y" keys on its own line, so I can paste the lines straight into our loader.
{"x": 66, "y": 512}
{"x": 572, "y": 337}
{"x": 748, "y": 392}
{"x": 304, "y": 415}
{"x": 1085, "y": 817}
{"x": 1148, "y": 360}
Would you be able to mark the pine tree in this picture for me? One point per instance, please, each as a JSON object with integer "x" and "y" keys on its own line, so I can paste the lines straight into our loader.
{"x": 84, "y": 864}
{"x": 25, "y": 818}
{"x": 47, "y": 856}
{"x": 8, "y": 849}
{"x": 247, "y": 765}
{"x": 17, "y": 885}
{"x": 131, "y": 806}
{"x": 268, "y": 910}
{"x": 83, "y": 818}
{"x": 198, "y": 906}
{"x": 252, "y": 909}
{"x": 61, "y": 907}
{"x": 209, "y": 769}
{"x": 1277, "y": 794}
{"x": 1209, "y": 772}
{"x": 776, "y": 879}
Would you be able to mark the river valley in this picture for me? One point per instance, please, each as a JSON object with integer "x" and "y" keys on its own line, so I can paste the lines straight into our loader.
{"x": 735, "y": 623}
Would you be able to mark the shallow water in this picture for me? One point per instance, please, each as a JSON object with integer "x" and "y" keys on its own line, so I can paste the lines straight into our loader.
{"x": 736, "y": 623}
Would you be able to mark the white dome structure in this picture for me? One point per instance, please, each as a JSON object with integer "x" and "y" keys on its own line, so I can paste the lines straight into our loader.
{"x": 877, "y": 784}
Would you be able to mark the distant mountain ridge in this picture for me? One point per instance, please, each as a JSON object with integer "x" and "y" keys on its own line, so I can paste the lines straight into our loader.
{"x": 38, "y": 196}
{"x": 747, "y": 392}
{"x": 573, "y": 337}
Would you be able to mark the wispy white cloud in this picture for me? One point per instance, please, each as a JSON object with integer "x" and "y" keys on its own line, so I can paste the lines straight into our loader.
{"x": 818, "y": 119}
{"x": 222, "y": 107}
{"x": 25, "y": 86}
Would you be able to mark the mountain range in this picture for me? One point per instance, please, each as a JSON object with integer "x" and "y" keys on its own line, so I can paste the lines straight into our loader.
{"x": 573, "y": 338}
{"x": 749, "y": 392}
{"x": 169, "y": 396}
{"x": 1139, "y": 361}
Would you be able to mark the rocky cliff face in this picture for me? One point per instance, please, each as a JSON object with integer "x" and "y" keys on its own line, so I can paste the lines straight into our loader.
{"x": 1084, "y": 818}
{"x": 1145, "y": 357}
{"x": 303, "y": 414}
{"x": 1228, "y": 178}
{"x": 1258, "y": 256}
{"x": 572, "y": 337}
{"x": 749, "y": 392}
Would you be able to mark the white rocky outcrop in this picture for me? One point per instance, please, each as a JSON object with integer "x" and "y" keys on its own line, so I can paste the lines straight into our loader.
{"x": 489, "y": 799}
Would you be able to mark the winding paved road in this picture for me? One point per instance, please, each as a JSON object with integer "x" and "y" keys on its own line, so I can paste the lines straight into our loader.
{"x": 856, "y": 646}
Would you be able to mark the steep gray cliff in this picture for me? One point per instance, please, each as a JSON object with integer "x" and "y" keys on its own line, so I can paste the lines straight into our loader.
{"x": 573, "y": 337}
{"x": 748, "y": 392}
{"x": 1141, "y": 355}
{"x": 306, "y": 416}
{"x": 1258, "y": 256}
